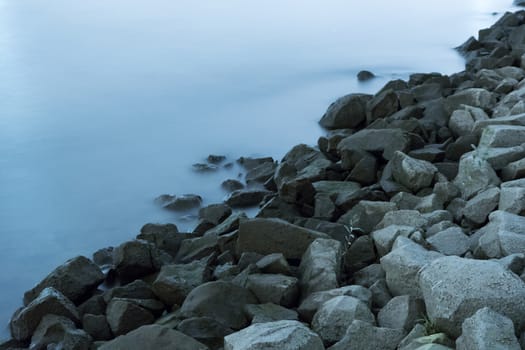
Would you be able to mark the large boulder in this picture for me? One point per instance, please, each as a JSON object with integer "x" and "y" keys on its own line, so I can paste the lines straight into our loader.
{"x": 246, "y": 198}
{"x": 412, "y": 173}
{"x": 502, "y": 236}
{"x": 383, "y": 104}
{"x": 75, "y": 279}
{"x": 205, "y": 329}
{"x": 450, "y": 300}
{"x": 451, "y": 241}
{"x": 282, "y": 335}
{"x": 59, "y": 332}
{"x": 386, "y": 141}
{"x": 269, "y": 312}
{"x": 124, "y": 316}
{"x": 481, "y": 205}
{"x": 274, "y": 288}
{"x": 365, "y": 215}
{"x": 475, "y": 174}
{"x": 475, "y": 97}
{"x": 502, "y": 136}
{"x": 346, "y": 112}
{"x": 384, "y": 238}
{"x": 401, "y": 312}
{"x": 362, "y": 335}
{"x": 133, "y": 259}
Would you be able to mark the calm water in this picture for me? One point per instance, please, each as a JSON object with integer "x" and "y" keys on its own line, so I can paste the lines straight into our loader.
{"x": 105, "y": 104}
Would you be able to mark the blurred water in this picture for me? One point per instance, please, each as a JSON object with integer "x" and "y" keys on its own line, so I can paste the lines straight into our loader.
{"x": 104, "y": 104}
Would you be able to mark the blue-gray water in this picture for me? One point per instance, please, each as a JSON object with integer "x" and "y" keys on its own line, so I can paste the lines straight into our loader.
{"x": 105, "y": 104}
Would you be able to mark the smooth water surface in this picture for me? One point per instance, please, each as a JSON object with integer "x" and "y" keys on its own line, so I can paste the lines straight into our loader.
{"x": 105, "y": 104}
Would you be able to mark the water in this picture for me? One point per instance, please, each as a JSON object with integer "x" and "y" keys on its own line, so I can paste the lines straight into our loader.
{"x": 105, "y": 104}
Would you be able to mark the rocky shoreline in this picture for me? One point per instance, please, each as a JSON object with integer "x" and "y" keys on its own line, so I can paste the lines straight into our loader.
{"x": 402, "y": 229}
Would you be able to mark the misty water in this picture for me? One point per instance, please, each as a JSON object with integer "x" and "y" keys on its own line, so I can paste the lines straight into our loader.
{"x": 105, "y": 104}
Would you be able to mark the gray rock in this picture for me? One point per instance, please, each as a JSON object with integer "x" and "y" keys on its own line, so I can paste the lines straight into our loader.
{"x": 475, "y": 97}
{"x": 94, "y": 305}
{"x": 501, "y": 157}
{"x": 246, "y": 198}
{"x": 133, "y": 259}
{"x": 359, "y": 253}
{"x": 205, "y": 330}
{"x": 261, "y": 173}
{"x": 502, "y": 236}
{"x": 273, "y": 288}
{"x": 502, "y": 136}
{"x": 175, "y": 282}
{"x": 384, "y": 238}
{"x": 365, "y": 75}
{"x": 411, "y": 218}
{"x": 250, "y": 163}
{"x": 369, "y": 275}
{"x": 197, "y": 248}
{"x": 380, "y": 293}
{"x": 513, "y": 262}
{"x": 164, "y": 236}
{"x": 461, "y": 122}
{"x": 231, "y": 223}
{"x": 75, "y": 279}
{"x": 386, "y": 141}
{"x": 96, "y": 326}
{"x": 269, "y": 312}
{"x": 487, "y": 329}
{"x": 401, "y": 312}
{"x": 221, "y": 300}
{"x": 204, "y": 167}
{"x": 417, "y": 331}
{"x": 518, "y": 119}
{"x": 184, "y": 202}
{"x": 285, "y": 335}
{"x": 346, "y": 112}
{"x": 320, "y": 266}
{"x": 513, "y": 170}
{"x": 49, "y": 301}
{"x": 137, "y": 289}
{"x": 366, "y": 215}
{"x": 474, "y": 175}
{"x": 231, "y": 185}
{"x": 267, "y": 236}
{"x": 383, "y": 104}
{"x": 313, "y": 302}
{"x": 450, "y": 300}
{"x": 336, "y": 315}
{"x": 436, "y": 341}
{"x": 273, "y": 263}
{"x": 153, "y": 337}
{"x": 451, "y": 241}
{"x": 402, "y": 265}
{"x": 215, "y": 213}
{"x": 412, "y": 173}
{"x": 512, "y": 199}
{"x": 124, "y": 316}
{"x": 364, "y": 336}
{"x": 481, "y": 205}
{"x": 61, "y": 333}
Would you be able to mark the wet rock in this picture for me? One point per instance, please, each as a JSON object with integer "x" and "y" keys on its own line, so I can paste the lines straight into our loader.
{"x": 274, "y": 288}
{"x": 124, "y": 316}
{"x": 481, "y": 205}
{"x": 365, "y": 75}
{"x": 103, "y": 257}
{"x": 474, "y": 175}
{"x": 246, "y": 198}
{"x": 75, "y": 279}
{"x": 231, "y": 185}
{"x": 383, "y": 104}
{"x": 205, "y": 330}
{"x": 269, "y": 312}
{"x": 450, "y": 300}
{"x": 346, "y": 112}
{"x": 153, "y": 337}
{"x": 96, "y": 326}
{"x": 230, "y": 224}
{"x": 285, "y": 335}
{"x": 184, "y": 202}
{"x": 59, "y": 332}
{"x": 250, "y": 163}
{"x": 401, "y": 312}
{"x": 365, "y": 336}
{"x": 386, "y": 141}
{"x": 412, "y": 173}
{"x": 451, "y": 241}
{"x": 137, "y": 289}
{"x": 94, "y": 305}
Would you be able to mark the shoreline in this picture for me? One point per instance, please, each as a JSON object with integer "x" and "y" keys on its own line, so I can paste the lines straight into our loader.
{"x": 363, "y": 223}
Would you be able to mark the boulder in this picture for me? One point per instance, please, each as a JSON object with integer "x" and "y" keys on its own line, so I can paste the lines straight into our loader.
{"x": 215, "y": 213}
{"x": 153, "y": 337}
{"x": 336, "y": 315}
{"x": 368, "y": 275}
{"x": 513, "y": 170}
{"x": 267, "y": 236}
{"x": 320, "y": 266}
{"x": 230, "y": 185}
{"x": 133, "y": 259}
{"x": 386, "y": 141}
{"x": 362, "y": 335}
{"x": 502, "y": 136}
{"x": 481, "y": 205}
{"x": 487, "y": 329}
{"x": 246, "y": 198}
{"x": 274, "y": 288}
{"x": 223, "y": 301}
{"x": 474, "y": 175}
{"x": 502, "y": 236}
{"x": 346, "y": 112}
{"x": 451, "y": 241}
{"x": 205, "y": 330}
{"x": 501, "y": 157}
{"x": 359, "y": 253}
{"x": 61, "y": 333}
{"x": 261, "y": 173}
{"x": 365, "y": 75}
{"x": 383, "y": 104}
{"x": 273, "y": 263}
{"x": 380, "y": 293}
{"x": 96, "y": 326}
{"x": 476, "y": 97}
{"x": 435, "y": 341}
{"x": 164, "y": 236}
{"x": 366, "y": 215}
{"x": 401, "y": 312}
{"x": 512, "y": 197}
{"x": 137, "y": 289}
{"x": 184, "y": 202}
{"x": 124, "y": 316}
{"x": 450, "y": 300}
{"x": 384, "y": 238}
{"x": 198, "y": 248}
{"x": 412, "y": 173}
{"x": 269, "y": 312}
{"x": 461, "y": 122}
{"x": 417, "y": 331}
{"x": 411, "y": 218}
{"x": 283, "y": 335}
{"x": 250, "y": 163}
{"x": 75, "y": 279}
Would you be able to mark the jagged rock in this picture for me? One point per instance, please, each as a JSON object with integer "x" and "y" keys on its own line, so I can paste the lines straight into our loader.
{"x": 231, "y": 185}
{"x": 401, "y": 312}
{"x": 384, "y": 238}
{"x": 61, "y": 333}
{"x": 230, "y": 224}
{"x": 197, "y": 248}
{"x": 436, "y": 341}
{"x": 475, "y": 97}
{"x": 250, "y": 163}
{"x": 184, "y": 202}
{"x": 269, "y": 312}
{"x": 49, "y": 301}
{"x": 512, "y": 197}
{"x": 153, "y": 337}
{"x": 124, "y": 316}
{"x": 412, "y": 173}
{"x": 246, "y": 198}
{"x": 411, "y": 218}
{"x": 487, "y": 329}
{"x": 359, "y": 253}
{"x": 133, "y": 259}
{"x": 386, "y": 141}
{"x": 451, "y": 241}
{"x": 450, "y": 300}
{"x": 137, "y": 289}
{"x": 501, "y": 157}
{"x": 337, "y": 314}
{"x": 273, "y": 263}
{"x": 266, "y": 236}
{"x": 513, "y": 170}
{"x": 481, "y": 205}
{"x": 383, "y": 104}
{"x": 474, "y": 175}
{"x": 94, "y": 305}
{"x": 366, "y": 215}
{"x": 205, "y": 330}
{"x": 220, "y": 300}
{"x": 204, "y": 167}
{"x": 285, "y": 335}
{"x": 215, "y": 213}
{"x": 96, "y": 326}
{"x": 502, "y": 236}
{"x": 74, "y": 279}
{"x": 261, "y": 173}
{"x": 278, "y": 289}
{"x": 320, "y": 266}
{"x": 502, "y": 136}
{"x": 365, "y": 336}
{"x": 165, "y": 237}
{"x": 402, "y": 265}
{"x": 380, "y": 293}
{"x": 368, "y": 275}
{"x": 346, "y": 112}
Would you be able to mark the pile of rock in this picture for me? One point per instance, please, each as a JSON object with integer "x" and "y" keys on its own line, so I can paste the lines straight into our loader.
{"x": 402, "y": 230}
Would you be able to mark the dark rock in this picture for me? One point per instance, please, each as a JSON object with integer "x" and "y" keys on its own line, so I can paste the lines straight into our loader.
{"x": 184, "y": 202}
{"x": 205, "y": 330}
{"x": 476, "y": 97}
{"x": 164, "y": 236}
{"x": 216, "y": 159}
{"x": 382, "y": 105}
{"x": 246, "y": 198}
{"x": 137, "y": 289}
{"x": 59, "y": 332}
{"x": 103, "y": 257}
{"x": 273, "y": 263}
{"x": 261, "y": 173}
{"x": 346, "y": 112}
{"x": 124, "y": 316}
{"x": 250, "y": 163}
{"x": 94, "y": 305}
{"x": 204, "y": 167}
{"x": 366, "y": 215}
{"x": 231, "y": 185}
{"x": 365, "y": 75}
{"x": 274, "y": 288}
{"x": 133, "y": 259}
{"x": 365, "y": 336}
{"x": 269, "y": 312}
{"x": 359, "y": 253}
{"x": 197, "y": 248}
{"x": 386, "y": 141}
{"x": 96, "y": 326}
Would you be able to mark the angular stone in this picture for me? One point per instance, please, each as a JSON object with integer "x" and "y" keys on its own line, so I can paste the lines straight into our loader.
{"x": 502, "y": 236}
{"x": 59, "y": 332}
{"x": 366, "y": 215}
{"x": 383, "y": 104}
{"x": 417, "y": 331}
{"x": 513, "y": 170}
{"x": 475, "y": 97}
{"x": 401, "y": 312}
{"x": 96, "y": 326}
{"x": 386, "y": 141}
{"x": 502, "y": 136}
{"x": 501, "y": 157}
{"x": 198, "y": 247}
{"x": 475, "y": 175}
{"x": 133, "y": 259}
{"x": 380, "y": 293}
{"x": 365, "y": 336}
{"x": 481, "y": 205}
{"x": 346, "y": 112}
{"x": 384, "y": 238}
{"x": 412, "y": 173}
{"x": 137, "y": 289}
{"x": 231, "y": 185}
{"x": 435, "y": 341}
{"x": 285, "y": 335}
{"x": 215, "y": 213}
{"x": 451, "y": 241}
{"x": 450, "y": 300}
{"x": 163, "y": 236}
{"x": 184, "y": 202}
{"x": 205, "y": 330}
{"x": 246, "y": 198}
{"x": 273, "y": 263}
{"x": 359, "y": 253}
{"x": 461, "y": 122}
{"x": 269, "y": 312}
{"x": 411, "y": 218}
{"x": 273, "y": 288}
{"x": 124, "y": 316}
{"x": 261, "y": 173}
{"x": 512, "y": 199}
{"x": 368, "y": 275}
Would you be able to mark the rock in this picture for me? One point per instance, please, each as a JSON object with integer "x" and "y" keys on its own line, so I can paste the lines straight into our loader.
{"x": 285, "y": 335}
{"x": 481, "y": 205}
{"x": 365, "y": 75}
{"x": 346, "y": 112}
{"x": 501, "y": 157}
{"x": 384, "y": 238}
{"x": 365, "y": 336}
{"x": 96, "y": 326}
{"x": 474, "y": 175}
{"x": 368, "y": 275}
{"x": 165, "y": 237}
{"x": 513, "y": 170}
{"x": 49, "y": 301}
{"x": 220, "y": 300}
{"x": 436, "y": 341}
{"x": 417, "y": 331}
{"x": 412, "y": 173}
{"x": 366, "y": 215}
{"x": 359, "y": 253}
{"x": 261, "y": 173}
{"x": 124, "y": 316}
{"x": 269, "y": 312}
{"x": 313, "y": 302}
{"x": 383, "y": 104}
{"x": 402, "y": 265}
{"x": 336, "y": 315}
{"x": 475, "y": 97}
{"x": 502, "y": 136}
{"x": 461, "y": 122}
{"x": 104, "y": 257}
{"x": 512, "y": 197}
{"x": 153, "y": 337}
{"x": 278, "y": 289}
{"x": 487, "y": 329}
{"x": 273, "y": 263}
{"x": 513, "y": 262}
{"x": 231, "y": 185}
{"x": 246, "y": 198}
{"x": 204, "y": 167}
{"x": 380, "y": 293}
{"x": 250, "y": 163}
{"x": 137, "y": 289}
{"x": 215, "y": 213}
{"x": 59, "y": 332}
{"x": 197, "y": 248}
{"x": 386, "y": 141}
{"x": 94, "y": 305}
{"x": 502, "y": 236}
{"x": 450, "y": 300}
{"x": 401, "y": 312}
{"x": 267, "y": 236}
{"x": 411, "y": 218}
{"x": 451, "y": 241}
{"x": 230, "y": 224}
{"x": 205, "y": 330}
{"x": 75, "y": 279}
{"x": 184, "y": 202}
{"x": 174, "y": 282}
{"x": 320, "y": 266}
{"x": 133, "y": 259}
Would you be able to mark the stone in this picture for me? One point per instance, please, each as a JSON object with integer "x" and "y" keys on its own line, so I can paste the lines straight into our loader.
{"x": 49, "y": 301}
{"x": 412, "y": 173}
{"x": 223, "y": 301}
{"x": 137, "y": 289}
{"x": 487, "y": 329}
{"x": 313, "y": 302}
{"x": 261, "y": 173}
{"x": 269, "y": 312}
{"x": 267, "y": 236}
{"x": 384, "y": 238}
{"x": 366, "y": 215}
{"x": 246, "y": 198}
{"x": 451, "y": 241}
{"x": 365, "y": 75}
{"x": 336, "y": 315}
{"x": 359, "y": 253}
{"x": 124, "y": 316}
{"x": 174, "y": 282}
{"x": 230, "y": 224}
{"x": 386, "y": 141}
{"x": 320, "y": 267}
{"x": 273, "y": 263}
{"x": 502, "y": 136}
{"x": 230, "y": 185}
{"x": 197, "y": 248}
{"x": 204, "y": 167}
{"x": 250, "y": 163}
{"x": 103, "y": 257}
{"x": 411, "y": 218}
{"x": 163, "y": 236}
{"x": 153, "y": 337}
{"x": 215, "y": 213}
{"x": 512, "y": 199}
{"x": 435, "y": 341}
{"x": 94, "y": 305}
{"x": 274, "y": 288}
{"x": 513, "y": 170}
{"x": 133, "y": 259}
{"x": 476, "y": 97}
{"x": 427, "y": 92}
{"x": 285, "y": 335}
{"x": 481, "y": 205}
{"x": 75, "y": 279}
{"x": 96, "y": 326}
{"x": 450, "y": 300}
{"x": 61, "y": 333}
{"x": 346, "y": 112}
{"x": 380, "y": 293}
{"x": 461, "y": 122}
{"x": 184, "y": 202}
{"x": 365, "y": 336}
{"x": 383, "y": 104}
{"x": 474, "y": 175}
{"x": 368, "y": 275}
{"x": 402, "y": 265}
{"x": 514, "y": 262}
{"x": 401, "y": 312}
{"x": 480, "y": 125}
{"x": 205, "y": 330}
{"x": 501, "y": 157}
{"x": 502, "y": 236}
